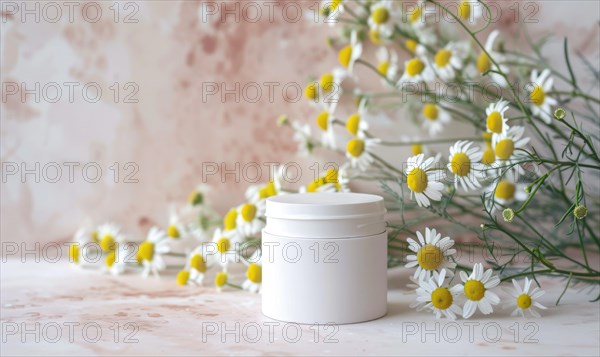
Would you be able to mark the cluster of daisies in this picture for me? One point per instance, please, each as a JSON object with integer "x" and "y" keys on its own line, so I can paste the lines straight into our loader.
{"x": 491, "y": 168}
{"x": 438, "y": 290}
{"x": 186, "y": 241}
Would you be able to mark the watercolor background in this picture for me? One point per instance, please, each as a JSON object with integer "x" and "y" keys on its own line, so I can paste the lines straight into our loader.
{"x": 163, "y": 61}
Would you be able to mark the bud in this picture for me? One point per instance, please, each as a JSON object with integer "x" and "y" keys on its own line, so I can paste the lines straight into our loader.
{"x": 560, "y": 113}
{"x": 580, "y": 211}
{"x": 283, "y": 120}
{"x": 527, "y": 189}
{"x": 508, "y": 215}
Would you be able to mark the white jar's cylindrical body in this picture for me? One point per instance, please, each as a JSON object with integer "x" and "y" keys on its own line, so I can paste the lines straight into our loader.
{"x": 326, "y": 260}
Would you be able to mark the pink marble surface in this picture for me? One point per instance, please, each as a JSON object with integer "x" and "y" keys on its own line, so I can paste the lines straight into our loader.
{"x": 169, "y": 53}
{"x": 156, "y": 317}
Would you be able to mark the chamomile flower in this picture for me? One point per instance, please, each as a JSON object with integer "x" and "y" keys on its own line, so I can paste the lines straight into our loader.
{"x": 496, "y": 122}
{"x": 422, "y": 183}
{"x": 415, "y": 71}
{"x": 507, "y": 147}
{"x": 434, "y": 294}
{"x": 470, "y": 10}
{"x": 357, "y": 150}
{"x": 115, "y": 261}
{"x": 525, "y": 301}
{"x": 253, "y": 282}
{"x": 415, "y": 16}
{"x": 382, "y": 17}
{"x": 357, "y": 124}
{"x": 432, "y": 253}
{"x": 109, "y": 235}
{"x": 197, "y": 265}
{"x": 326, "y": 183}
{"x": 434, "y": 118}
{"x": 230, "y": 228}
{"x": 250, "y": 218}
{"x": 330, "y": 86}
{"x": 274, "y": 187}
{"x": 198, "y": 196}
{"x": 540, "y": 102}
{"x": 448, "y": 60}
{"x": 325, "y": 123}
{"x": 221, "y": 279}
{"x": 81, "y": 242}
{"x": 464, "y": 163}
{"x": 350, "y": 53}
{"x": 303, "y": 136}
{"x": 476, "y": 289}
{"x": 343, "y": 177}
{"x": 387, "y": 65}
{"x": 183, "y": 277}
{"x": 504, "y": 192}
{"x": 151, "y": 250}
{"x": 176, "y": 228}
{"x": 224, "y": 248}
{"x": 484, "y": 64}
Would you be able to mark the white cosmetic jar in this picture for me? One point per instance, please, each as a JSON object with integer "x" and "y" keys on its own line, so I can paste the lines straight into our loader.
{"x": 324, "y": 258}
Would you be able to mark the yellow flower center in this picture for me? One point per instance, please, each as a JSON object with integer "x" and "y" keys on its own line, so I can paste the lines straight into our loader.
{"x": 355, "y": 147}
{"x": 326, "y": 82}
{"x": 198, "y": 263}
{"x": 229, "y": 220}
{"x": 146, "y": 251}
{"x": 464, "y": 10}
{"x": 248, "y": 212}
{"x": 323, "y": 120}
{"x": 183, "y": 277}
{"x": 489, "y": 156}
{"x": 221, "y": 279}
{"x": 331, "y": 176}
{"x": 415, "y": 15}
{"x": 483, "y": 63}
{"x": 474, "y": 290}
{"x": 267, "y": 191}
{"x": 107, "y": 243}
{"x": 173, "y": 232}
{"x": 380, "y": 15}
{"x": 504, "y": 149}
{"x": 352, "y": 124}
{"x": 223, "y": 245}
{"x": 414, "y": 67}
{"x": 411, "y": 45}
{"x": 441, "y": 298}
{"x": 74, "y": 253}
{"x": 494, "y": 122}
{"x": 310, "y": 91}
{"x": 442, "y": 57}
{"x": 195, "y": 198}
{"x": 461, "y": 164}
{"x": 417, "y": 180}
{"x": 345, "y": 55}
{"x": 416, "y": 149}
{"x": 505, "y": 190}
{"x": 110, "y": 259}
{"x": 524, "y": 301}
{"x": 375, "y": 37}
{"x": 382, "y": 68}
{"x": 537, "y": 95}
{"x": 430, "y": 257}
{"x": 254, "y": 273}
{"x": 430, "y": 111}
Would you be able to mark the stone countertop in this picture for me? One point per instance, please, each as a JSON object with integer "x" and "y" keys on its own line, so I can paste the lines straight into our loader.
{"x": 51, "y": 309}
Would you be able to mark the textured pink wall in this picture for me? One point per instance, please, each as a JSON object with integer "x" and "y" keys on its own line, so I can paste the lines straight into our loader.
{"x": 168, "y": 54}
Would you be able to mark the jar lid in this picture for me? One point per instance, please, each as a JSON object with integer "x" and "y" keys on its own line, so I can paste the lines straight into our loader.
{"x": 325, "y": 215}
{"x": 320, "y": 206}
